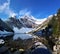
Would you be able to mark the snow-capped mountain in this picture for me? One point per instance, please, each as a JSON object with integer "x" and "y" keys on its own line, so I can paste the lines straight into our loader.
{"x": 22, "y": 25}
{"x": 33, "y": 19}
{"x": 25, "y": 21}
{"x": 14, "y": 22}
{"x": 28, "y": 21}
{"x": 21, "y": 22}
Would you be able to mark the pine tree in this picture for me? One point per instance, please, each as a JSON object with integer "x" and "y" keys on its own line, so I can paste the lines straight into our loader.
{"x": 58, "y": 15}
{"x": 55, "y": 23}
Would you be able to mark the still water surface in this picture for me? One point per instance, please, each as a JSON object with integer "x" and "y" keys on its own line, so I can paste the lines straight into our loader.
{"x": 22, "y": 36}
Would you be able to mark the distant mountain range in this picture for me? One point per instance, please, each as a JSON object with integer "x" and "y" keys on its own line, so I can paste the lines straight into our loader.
{"x": 24, "y": 21}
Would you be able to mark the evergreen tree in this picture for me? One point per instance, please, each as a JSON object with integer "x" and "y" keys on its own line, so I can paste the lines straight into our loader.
{"x": 55, "y": 23}
{"x": 58, "y": 16}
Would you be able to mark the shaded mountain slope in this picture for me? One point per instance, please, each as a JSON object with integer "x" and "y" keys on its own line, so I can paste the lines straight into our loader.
{"x": 4, "y": 26}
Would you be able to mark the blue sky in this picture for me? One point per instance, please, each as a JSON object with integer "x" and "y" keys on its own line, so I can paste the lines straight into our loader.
{"x": 36, "y": 8}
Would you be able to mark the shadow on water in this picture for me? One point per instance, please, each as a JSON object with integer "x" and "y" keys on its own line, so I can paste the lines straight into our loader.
{"x": 6, "y": 36}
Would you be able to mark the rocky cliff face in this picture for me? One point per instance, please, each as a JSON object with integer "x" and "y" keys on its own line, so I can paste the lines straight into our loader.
{"x": 13, "y": 22}
{"x": 26, "y": 22}
{"x": 4, "y": 26}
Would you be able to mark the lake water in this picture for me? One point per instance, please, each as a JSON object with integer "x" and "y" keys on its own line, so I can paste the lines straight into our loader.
{"x": 22, "y": 36}
{"x": 18, "y": 35}
{"x": 26, "y": 36}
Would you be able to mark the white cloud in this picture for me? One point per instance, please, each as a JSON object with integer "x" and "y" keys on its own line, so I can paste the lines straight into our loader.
{"x": 24, "y": 12}
{"x": 10, "y": 13}
{"x": 5, "y": 8}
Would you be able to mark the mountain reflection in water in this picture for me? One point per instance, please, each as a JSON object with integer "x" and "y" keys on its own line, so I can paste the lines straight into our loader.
{"x": 25, "y": 42}
{"x": 22, "y": 36}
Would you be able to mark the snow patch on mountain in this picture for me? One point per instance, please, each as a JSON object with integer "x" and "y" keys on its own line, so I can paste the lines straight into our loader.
{"x": 33, "y": 19}
{"x": 22, "y": 30}
{"x": 40, "y": 21}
